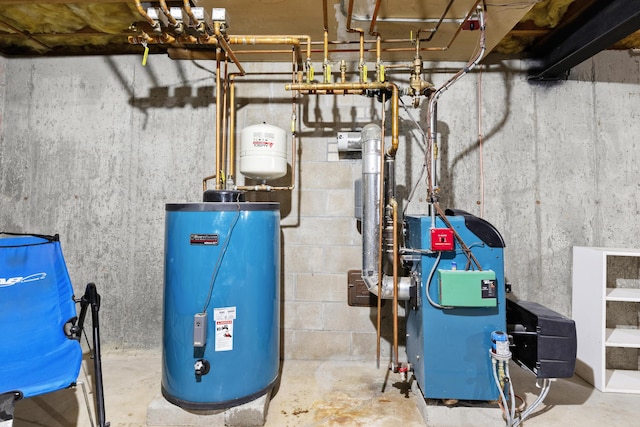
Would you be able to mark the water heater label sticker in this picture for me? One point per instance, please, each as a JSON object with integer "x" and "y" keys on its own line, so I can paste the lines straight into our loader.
{"x": 224, "y": 313}
{"x": 224, "y": 317}
{"x": 224, "y": 335}
{"x": 203, "y": 239}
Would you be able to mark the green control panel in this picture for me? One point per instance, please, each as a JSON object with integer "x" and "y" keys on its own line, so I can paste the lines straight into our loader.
{"x": 473, "y": 288}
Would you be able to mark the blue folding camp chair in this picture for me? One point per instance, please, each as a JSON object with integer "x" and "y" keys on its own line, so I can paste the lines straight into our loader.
{"x": 40, "y": 334}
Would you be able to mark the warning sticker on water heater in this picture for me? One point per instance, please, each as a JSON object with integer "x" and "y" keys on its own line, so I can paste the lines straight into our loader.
{"x": 224, "y": 318}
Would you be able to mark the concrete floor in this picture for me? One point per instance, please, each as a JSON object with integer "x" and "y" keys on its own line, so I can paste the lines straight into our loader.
{"x": 332, "y": 393}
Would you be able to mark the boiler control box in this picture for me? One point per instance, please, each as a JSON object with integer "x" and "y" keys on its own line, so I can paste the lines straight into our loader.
{"x": 459, "y": 288}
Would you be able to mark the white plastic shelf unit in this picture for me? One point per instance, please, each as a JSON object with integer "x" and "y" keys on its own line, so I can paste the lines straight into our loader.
{"x": 589, "y": 311}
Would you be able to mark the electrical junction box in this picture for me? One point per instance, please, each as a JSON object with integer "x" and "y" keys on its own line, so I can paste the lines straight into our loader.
{"x": 472, "y": 288}
{"x": 199, "y": 329}
{"x": 442, "y": 239}
{"x": 219, "y": 14}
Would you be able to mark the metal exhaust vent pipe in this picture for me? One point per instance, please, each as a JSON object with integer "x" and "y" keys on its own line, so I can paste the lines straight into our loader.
{"x": 371, "y": 151}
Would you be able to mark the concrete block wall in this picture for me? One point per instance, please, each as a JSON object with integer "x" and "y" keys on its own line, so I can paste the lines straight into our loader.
{"x": 92, "y": 148}
{"x": 320, "y": 237}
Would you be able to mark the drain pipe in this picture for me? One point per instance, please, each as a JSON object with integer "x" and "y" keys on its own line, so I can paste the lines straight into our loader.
{"x": 371, "y": 152}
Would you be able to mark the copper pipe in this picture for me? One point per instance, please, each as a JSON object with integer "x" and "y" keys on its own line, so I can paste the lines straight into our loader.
{"x": 406, "y": 65}
{"x": 361, "y": 64}
{"x": 187, "y": 8}
{"x": 359, "y": 88}
{"x": 368, "y": 41}
{"x": 394, "y": 207}
{"x": 201, "y": 27}
{"x": 254, "y": 40}
{"x": 394, "y": 121}
{"x": 333, "y": 88}
{"x": 325, "y": 19}
{"x": 379, "y": 66}
{"x": 223, "y": 153}
{"x": 435, "y": 29}
{"x": 167, "y": 12}
{"x": 204, "y": 181}
{"x": 376, "y": 9}
{"x": 145, "y": 38}
{"x": 326, "y": 46}
{"x": 229, "y": 52}
{"x": 163, "y": 38}
{"x": 349, "y": 14}
{"x": 311, "y": 87}
{"x": 380, "y": 230}
{"x": 232, "y": 142}
{"x": 25, "y": 34}
{"x": 294, "y": 40}
{"x": 271, "y": 39}
{"x": 223, "y": 43}
{"x": 326, "y": 67}
{"x": 187, "y": 39}
{"x": 154, "y": 24}
{"x": 294, "y": 121}
{"x": 232, "y": 126}
{"x": 262, "y": 51}
{"x": 262, "y": 187}
{"x": 218, "y": 93}
{"x": 167, "y": 38}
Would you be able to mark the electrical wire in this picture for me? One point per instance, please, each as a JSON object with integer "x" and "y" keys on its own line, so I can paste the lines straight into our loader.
{"x": 546, "y": 386}
{"x": 509, "y": 410}
{"x": 424, "y": 164}
{"x": 480, "y": 140}
{"x": 431, "y": 139}
{"x": 223, "y": 250}
{"x": 470, "y": 256}
{"x": 519, "y": 408}
{"x": 512, "y": 394}
{"x": 431, "y": 273}
{"x": 515, "y": 5}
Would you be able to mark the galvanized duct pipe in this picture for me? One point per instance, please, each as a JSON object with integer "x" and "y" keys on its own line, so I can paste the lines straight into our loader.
{"x": 371, "y": 153}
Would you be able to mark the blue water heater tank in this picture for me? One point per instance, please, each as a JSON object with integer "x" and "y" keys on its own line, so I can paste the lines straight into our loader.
{"x": 221, "y": 324}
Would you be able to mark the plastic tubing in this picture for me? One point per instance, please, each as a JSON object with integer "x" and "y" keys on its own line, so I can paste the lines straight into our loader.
{"x": 512, "y": 394}
{"x": 543, "y": 394}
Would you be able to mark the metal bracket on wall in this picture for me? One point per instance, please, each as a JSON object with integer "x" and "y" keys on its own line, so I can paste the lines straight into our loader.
{"x": 357, "y": 292}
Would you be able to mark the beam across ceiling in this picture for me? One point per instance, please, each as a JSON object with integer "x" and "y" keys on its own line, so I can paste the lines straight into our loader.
{"x": 596, "y": 28}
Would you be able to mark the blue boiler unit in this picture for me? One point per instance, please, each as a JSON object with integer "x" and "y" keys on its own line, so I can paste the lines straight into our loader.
{"x": 221, "y": 320}
{"x": 455, "y": 308}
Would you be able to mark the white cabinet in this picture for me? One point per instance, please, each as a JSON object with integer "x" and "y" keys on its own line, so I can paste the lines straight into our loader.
{"x": 606, "y": 309}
